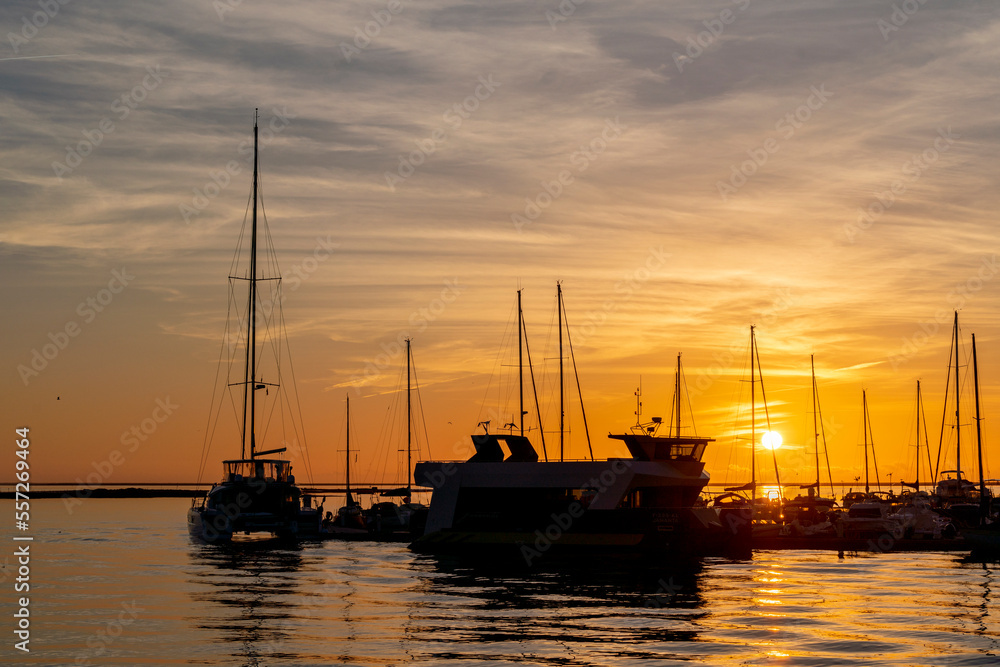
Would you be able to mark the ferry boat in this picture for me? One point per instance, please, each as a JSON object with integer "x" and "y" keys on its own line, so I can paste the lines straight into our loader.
{"x": 505, "y": 498}
{"x": 256, "y": 494}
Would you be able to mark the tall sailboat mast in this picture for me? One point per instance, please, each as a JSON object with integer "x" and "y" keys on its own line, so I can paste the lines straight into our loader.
{"x": 250, "y": 380}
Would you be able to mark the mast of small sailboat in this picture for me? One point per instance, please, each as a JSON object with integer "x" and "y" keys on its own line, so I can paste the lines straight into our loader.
{"x": 349, "y": 499}
{"x": 677, "y": 393}
{"x": 409, "y": 418}
{"x": 562, "y": 412}
{"x": 958, "y": 421}
{"x": 753, "y": 420}
{"x": 916, "y": 482}
{"x": 520, "y": 365}
{"x": 812, "y": 369}
{"x": 983, "y": 499}
{"x": 250, "y": 381}
{"x": 864, "y": 427}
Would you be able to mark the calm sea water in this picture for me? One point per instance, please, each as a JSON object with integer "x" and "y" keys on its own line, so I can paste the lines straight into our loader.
{"x": 119, "y": 583}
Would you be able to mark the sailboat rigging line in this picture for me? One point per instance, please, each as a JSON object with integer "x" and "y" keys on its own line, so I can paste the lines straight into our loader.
{"x": 306, "y": 458}
{"x": 398, "y": 417}
{"x": 767, "y": 416}
{"x": 927, "y": 444}
{"x": 736, "y": 398}
{"x": 420, "y": 410}
{"x": 984, "y": 500}
{"x": 534, "y": 389}
{"x": 576, "y": 373}
{"x": 871, "y": 439}
{"x": 826, "y": 450}
{"x": 944, "y": 409}
{"x": 209, "y": 427}
{"x": 681, "y": 390}
{"x": 497, "y": 363}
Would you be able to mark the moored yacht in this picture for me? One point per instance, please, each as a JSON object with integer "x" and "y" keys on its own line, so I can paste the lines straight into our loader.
{"x": 256, "y": 494}
{"x": 505, "y": 497}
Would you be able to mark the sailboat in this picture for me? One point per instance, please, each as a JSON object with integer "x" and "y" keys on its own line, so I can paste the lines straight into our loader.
{"x": 869, "y": 515}
{"x": 257, "y": 492}
{"x": 921, "y": 425}
{"x": 388, "y": 520}
{"x": 957, "y": 494}
{"x": 916, "y": 511}
{"x": 958, "y": 497}
{"x": 349, "y": 523}
{"x": 810, "y": 514}
{"x": 767, "y": 511}
{"x": 986, "y": 536}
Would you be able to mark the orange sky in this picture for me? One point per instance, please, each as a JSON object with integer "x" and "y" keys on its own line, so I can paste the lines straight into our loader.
{"x": 806, "y": 169}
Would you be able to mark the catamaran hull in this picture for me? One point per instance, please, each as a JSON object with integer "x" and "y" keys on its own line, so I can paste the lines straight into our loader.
{"x": 208, "y": 526}
{"x": 215, "y": 527}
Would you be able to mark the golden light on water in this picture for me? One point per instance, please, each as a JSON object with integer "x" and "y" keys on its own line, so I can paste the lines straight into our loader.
{"x": 770, "y": 492}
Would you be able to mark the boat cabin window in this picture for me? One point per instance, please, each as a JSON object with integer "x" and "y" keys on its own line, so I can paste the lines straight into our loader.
{"x": 267, "y": 469}
{"x": 494, "y": 448}
{"x": 688, "y": 451}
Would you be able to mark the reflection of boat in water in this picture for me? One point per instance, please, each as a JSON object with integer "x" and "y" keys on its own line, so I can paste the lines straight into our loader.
{"x": 256, "y": 494}
{"x": 505, "y": 497}
{"x": 250, "y": 598}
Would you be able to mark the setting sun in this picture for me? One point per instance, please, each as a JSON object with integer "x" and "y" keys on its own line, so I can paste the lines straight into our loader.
{"x": 771, "y": 440}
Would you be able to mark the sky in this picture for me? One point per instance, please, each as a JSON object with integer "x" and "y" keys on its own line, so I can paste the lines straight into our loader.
{"x": 822, "y": 170}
